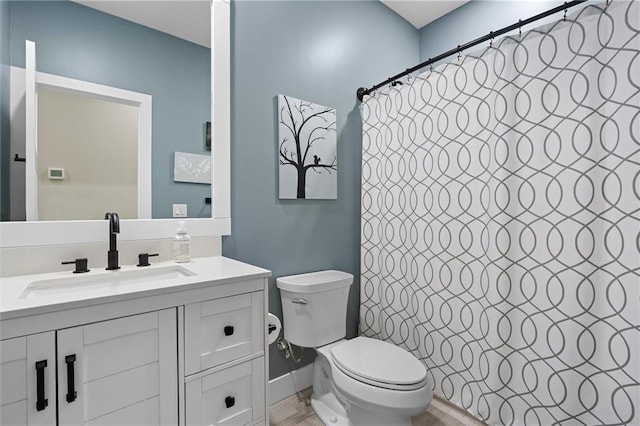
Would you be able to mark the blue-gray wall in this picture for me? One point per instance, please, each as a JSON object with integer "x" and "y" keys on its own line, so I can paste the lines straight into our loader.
{"x": 79, "y": 42}
{"x": 320, "y": 51}
{"x": 4, "y": 110}
{"x": 475, "y": 19}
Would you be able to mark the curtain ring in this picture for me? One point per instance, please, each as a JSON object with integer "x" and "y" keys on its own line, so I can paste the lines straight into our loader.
{"x": 519, "y": 27}
{"x": 564, "y": 17}
{"x": 491, "y": 40}
{"x": 458, "y": 52}
{"x": 430, "y": 65}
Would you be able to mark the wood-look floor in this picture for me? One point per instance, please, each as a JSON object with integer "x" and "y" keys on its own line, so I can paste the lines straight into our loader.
{"x": 296, "y": 410}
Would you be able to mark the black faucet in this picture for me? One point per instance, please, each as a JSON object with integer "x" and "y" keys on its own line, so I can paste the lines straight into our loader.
{"x": 114, "y": 228}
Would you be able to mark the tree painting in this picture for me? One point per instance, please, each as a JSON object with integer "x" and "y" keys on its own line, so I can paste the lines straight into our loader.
{"x": 307, "y": 149}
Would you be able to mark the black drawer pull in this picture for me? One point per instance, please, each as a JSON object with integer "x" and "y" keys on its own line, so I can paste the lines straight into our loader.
{"x": 41, "y": 401}
{"x": 228, "y": 330}
{"x": 229, "y": 401}
{"x": 71, "y": 393}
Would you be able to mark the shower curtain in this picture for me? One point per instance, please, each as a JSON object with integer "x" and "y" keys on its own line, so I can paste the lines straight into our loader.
{"x": 500, "y": 232}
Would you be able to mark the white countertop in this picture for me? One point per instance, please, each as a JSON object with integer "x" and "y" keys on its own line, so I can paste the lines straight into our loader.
{"x": 207, "y": 271}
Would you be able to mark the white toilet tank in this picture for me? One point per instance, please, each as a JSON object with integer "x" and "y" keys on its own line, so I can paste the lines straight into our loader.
{"x": 314, "y": 307}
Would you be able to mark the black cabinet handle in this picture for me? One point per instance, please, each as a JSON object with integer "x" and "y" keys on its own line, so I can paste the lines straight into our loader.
{"x": 41, "y": 401}
{"x": 229, "y": 401}
{"x": 71, "y": 393}
{"x": 228, "y": 330}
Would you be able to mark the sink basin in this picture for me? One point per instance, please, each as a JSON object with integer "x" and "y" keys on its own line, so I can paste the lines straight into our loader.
{"x": 104, "y": 280}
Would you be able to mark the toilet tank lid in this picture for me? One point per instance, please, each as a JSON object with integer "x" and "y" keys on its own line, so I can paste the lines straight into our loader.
{"x": 315, "y": 282}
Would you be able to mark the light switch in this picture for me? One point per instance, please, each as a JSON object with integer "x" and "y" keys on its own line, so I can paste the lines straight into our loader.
{"x": 179, "y": 210}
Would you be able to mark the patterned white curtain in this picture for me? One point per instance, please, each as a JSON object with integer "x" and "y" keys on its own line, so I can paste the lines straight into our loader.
{"x": 501, "y": 222}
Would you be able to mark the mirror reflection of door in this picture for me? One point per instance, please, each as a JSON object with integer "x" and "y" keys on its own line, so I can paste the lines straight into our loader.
{"x": 106, "y": 45}
{"x": 96, "y": 131}
{"x": 87, "y": 157}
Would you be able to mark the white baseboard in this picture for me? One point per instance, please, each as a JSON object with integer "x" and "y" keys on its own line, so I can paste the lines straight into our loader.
{"x": 288, "y": 384}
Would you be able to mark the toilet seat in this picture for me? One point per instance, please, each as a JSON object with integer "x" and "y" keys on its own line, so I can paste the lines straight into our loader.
{"x": 379, "y": 363}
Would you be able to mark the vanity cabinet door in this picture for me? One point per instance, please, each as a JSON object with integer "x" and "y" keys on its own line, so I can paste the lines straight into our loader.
{"x": 223, "y": 330}
{"x": 28, "y": 385}
{"x": 119, "y": 372}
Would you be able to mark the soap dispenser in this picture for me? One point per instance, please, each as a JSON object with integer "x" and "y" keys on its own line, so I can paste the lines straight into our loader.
{"x": 182, "y": 244}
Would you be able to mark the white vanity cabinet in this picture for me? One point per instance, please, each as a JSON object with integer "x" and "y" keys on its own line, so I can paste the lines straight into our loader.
{"x": 122, "y": 371}
{"x": 189, "y": 353}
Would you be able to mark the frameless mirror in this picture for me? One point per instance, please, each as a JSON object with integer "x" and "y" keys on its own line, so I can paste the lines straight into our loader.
{"x": 85, "y": 161}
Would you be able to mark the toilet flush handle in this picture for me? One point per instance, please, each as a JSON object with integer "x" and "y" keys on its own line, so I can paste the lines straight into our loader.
{"x": 300, "y": 301}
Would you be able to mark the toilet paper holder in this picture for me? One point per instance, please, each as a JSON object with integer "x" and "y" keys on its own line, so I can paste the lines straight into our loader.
{"x": 273, "y": 327}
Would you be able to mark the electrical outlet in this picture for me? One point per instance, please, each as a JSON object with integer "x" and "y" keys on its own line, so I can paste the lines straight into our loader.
{"x": 179, "y": 210}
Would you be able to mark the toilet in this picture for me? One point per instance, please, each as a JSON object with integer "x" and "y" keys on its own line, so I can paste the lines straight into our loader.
{"x": 361, "y": 381}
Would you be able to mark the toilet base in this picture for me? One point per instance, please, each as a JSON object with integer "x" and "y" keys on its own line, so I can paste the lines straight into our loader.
{"x": 327, "y": 408}
{"x": 324, "y": 399}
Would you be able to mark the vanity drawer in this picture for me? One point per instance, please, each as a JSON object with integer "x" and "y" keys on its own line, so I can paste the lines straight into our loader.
{"x": 233, "y": 396}
{"x": 222, "y": 330}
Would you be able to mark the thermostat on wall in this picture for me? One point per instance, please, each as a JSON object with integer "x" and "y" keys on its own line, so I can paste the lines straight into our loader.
{"x": 56, "y": 173}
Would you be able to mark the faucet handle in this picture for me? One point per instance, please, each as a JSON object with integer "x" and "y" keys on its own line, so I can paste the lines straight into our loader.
{"x": 143, "y": 258}
{"x": 81, "y": 265}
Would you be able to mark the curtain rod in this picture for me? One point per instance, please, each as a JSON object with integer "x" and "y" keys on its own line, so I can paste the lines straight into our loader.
{"x": 363, "y": 91}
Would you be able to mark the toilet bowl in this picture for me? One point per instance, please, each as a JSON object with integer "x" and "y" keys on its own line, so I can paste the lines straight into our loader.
{"x": 387, "y": 388}
{"x": 362, "y": 381}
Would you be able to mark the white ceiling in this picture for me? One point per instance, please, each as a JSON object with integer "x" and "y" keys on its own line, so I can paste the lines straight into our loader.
{"x": 187, "y": 19}
{"x": 191, "y": 19}
{"x": 420, "y": 12}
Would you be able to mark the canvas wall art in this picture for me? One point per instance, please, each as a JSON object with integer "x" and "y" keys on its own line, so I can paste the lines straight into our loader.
{"x": 308, "y": 163}
{"x": 193, "y": 168}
